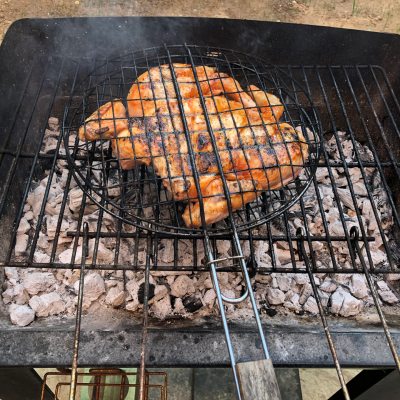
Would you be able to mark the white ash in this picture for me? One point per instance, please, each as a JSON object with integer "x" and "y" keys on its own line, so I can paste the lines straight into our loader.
{"x": 178, "y": 293}
{"x": 21, "y": 315}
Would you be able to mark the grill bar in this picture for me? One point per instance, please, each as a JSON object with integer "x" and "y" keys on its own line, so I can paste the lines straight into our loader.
{"x": 300, "y": 231}
{"x": 354, "y": 234}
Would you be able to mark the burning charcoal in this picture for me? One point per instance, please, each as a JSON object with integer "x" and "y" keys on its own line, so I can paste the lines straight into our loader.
{"x": 388, "y": 296}
{"x": 377, "y": 256}
{"x": 345, "y": 198}
{"x": 341, "y": 182}
{"x": 11, "y": 273}
{"x": 8, "y": 296}
{"x": 324, "y": 298}
{"x": 182, "y": 286}
{"x": 382, "y": 285}
{"x": 178, "y": 307}
{"x": 41, "y": 258}
{"x": 223, "y": 247}
{"x": 38, "y": 282}
{"x": 301, "y": 279}
{"x": 369, "y": 216}
{"x": 351, "y": 306}
{"x": 75, "y": 199}
{"x": 52, "y": 222}
{"x": 342, "y": 278}
{"x": 284, "y": 282}
{"x": 337, "y": 301}
{"x": 85, "y": 303}
{"x": 130, "y": 274}
{"x": 292, "y": 307}
{"x": 305, "y": 293}
{"x": 321, "y": 174}
{"x": 311, "y": 306}
{"x": 393, "y": 277}
{"x": 261, "y": 256}
{"x": 115, "y": 297}
{"x": 47, "y": 304}
{"x": 358, "y": 286}
{"x": 21, "y": 244}
{"x": 360, "y": 189}
{"x": 275, "y": 296}
{"x": 66, "y": 256}
{"x": 209, "y": 298}
{"x": 326, "y": 191}
{"x": 328, "y": 286}
{"x": 103, "y": 253}
{"x": 293, "y": 298}
{"x": 28, "y": 216}
{"x": 162, "y": 308}
{"x": 283, "y": 256}
{"x": 23, "y": 227}
{"x": 166, "y": 254}
{"x": 193, "y": 303}
{"x": 110, "y": 283}
{"x": 141, "y": 292}
{"x": 21, "y": 315}
{"x": 208, "y": 283}
{"x": 223, "y": 278}
{"x": 258, "y": 278}
{"x": 37, "y": 201}
{"x": 93, "y": 286}
{"x": 43, "y": 241}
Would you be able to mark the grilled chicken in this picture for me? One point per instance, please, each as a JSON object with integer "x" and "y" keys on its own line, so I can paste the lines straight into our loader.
{"x": 155, "y": 89}
{"x": 257, "y": 152}
{"x": 103, "y": 123}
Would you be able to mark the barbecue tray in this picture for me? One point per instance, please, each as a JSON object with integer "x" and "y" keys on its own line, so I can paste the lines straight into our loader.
{"x": 343, "y": 70}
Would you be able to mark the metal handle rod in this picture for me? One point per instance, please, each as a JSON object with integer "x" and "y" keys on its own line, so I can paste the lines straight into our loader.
{"x": 142, "y": 391}
{"x": 221, "y": 299}
{"x": 85, "y": 248}
{"x": 214, "y": 278}
{"x": 354, "y": 235}
{"x": 300, "y": 232}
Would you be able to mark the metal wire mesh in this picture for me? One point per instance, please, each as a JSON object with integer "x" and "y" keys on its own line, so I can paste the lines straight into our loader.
{"x": 105, "y": 384}
{"x": 267, "y": 163}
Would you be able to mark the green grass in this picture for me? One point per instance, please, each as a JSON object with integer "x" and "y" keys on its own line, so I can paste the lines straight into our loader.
{"x": 356, "y": 8}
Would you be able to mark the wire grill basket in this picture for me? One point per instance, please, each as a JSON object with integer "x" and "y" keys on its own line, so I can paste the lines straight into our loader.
{"x": 258, "y": 142}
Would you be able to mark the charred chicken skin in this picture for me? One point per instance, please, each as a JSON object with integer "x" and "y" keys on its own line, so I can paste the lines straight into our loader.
{"x": 257, "y": 152}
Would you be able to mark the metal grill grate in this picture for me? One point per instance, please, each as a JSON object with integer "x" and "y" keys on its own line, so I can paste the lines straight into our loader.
{"x": 253, "y": 161}
{"x": 358, "y": 100}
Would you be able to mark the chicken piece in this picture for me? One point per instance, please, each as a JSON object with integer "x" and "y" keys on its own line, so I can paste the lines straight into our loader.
{"x": 255, "y": 157}
{"x": 104, "y": 122}
{"x": 152, "y": 89}
{"x": 270, "y": 106}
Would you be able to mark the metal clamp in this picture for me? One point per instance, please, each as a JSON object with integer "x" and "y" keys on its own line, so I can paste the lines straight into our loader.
{"x": 223, "y": 259}
{"x": 225, "y": 298}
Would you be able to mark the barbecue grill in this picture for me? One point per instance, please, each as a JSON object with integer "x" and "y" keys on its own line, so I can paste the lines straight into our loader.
{"x": 356, "y": 97}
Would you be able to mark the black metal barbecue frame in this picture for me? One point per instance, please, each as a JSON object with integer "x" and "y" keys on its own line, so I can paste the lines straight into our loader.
{"x": 385, "y": 96}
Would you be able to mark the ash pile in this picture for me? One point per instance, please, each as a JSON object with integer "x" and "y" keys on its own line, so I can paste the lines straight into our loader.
{"x": 30, "y": 293}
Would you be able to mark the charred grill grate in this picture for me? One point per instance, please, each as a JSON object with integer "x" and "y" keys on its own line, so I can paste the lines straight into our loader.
{"x": 359, "y": 100}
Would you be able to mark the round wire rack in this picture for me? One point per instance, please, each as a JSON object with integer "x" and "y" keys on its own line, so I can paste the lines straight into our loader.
{"x": 268, "y": 146}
